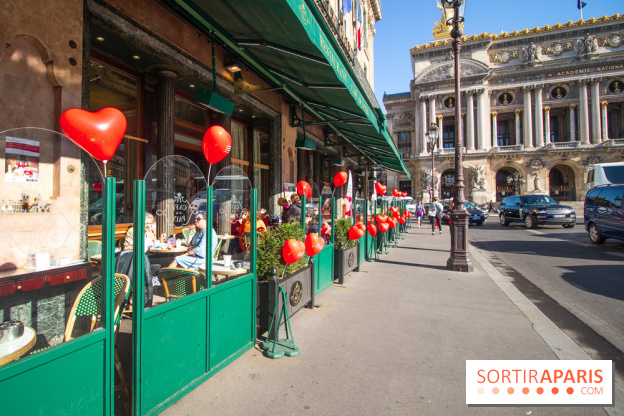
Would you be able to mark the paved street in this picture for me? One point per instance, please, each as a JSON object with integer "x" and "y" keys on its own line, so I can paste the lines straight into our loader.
{"x": 585, "y": 279}
{"x": 394, "y": 340}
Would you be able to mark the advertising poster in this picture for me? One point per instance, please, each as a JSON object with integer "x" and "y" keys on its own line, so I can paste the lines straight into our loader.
{"x": 22, "y": 160}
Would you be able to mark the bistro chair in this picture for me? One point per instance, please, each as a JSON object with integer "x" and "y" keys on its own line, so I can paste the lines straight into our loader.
{"x": 217, "y": 249}
{"x": 178, "y": 282}
{"x": 246, "y": 239}
{"x": 94, "y": 247}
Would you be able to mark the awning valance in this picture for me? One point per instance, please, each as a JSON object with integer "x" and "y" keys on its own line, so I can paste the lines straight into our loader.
{"x": 289, "y": 44}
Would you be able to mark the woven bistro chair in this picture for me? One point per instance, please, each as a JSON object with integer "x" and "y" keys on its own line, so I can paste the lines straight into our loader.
{"x": 89, "y": 303}
{"x": 178, "y": 282}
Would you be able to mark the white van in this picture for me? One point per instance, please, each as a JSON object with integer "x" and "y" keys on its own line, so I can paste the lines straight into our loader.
{"x": 605, "y": 174}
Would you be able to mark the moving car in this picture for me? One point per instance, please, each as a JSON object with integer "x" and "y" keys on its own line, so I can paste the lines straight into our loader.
{"x": 476, "y": 215}
{"x": 536, "y": 210}
{"x": 604, "y": 213}
{"x": 606, "y": 174}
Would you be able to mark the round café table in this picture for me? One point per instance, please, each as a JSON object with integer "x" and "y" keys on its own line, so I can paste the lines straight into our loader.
{"x": 218, "y": 269}
{"x": 14, "y": 349}
{"x": 174, "y": 250}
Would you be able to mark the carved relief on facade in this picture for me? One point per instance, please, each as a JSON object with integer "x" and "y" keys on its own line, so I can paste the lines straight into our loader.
{"x": 532, "y": 54}
{"x": 504, "y": 56}
{"x": 445, "y": 71}
{"x": 477, "y": 173}
{"x": 403, "y": 120}
{"x": 615, "y": 40}
{"x": 587, "y": 46}
{"x": 558, "y": 48}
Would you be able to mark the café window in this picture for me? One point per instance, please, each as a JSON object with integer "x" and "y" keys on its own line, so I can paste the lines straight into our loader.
{"x": 239, "y": 139}
{"x": 110, "y": 87}
{"x": 405, "y": 143}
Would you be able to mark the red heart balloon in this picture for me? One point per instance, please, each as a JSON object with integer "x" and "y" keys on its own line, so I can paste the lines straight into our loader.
{"x": 382, "y": 219}
{"x": 292, "y": 250}
{"x": 405, "y": 212}
{"x": 314, "y": 244}
{"x": 409, "y": 214}
{"x": 372, "y": 230}
{"x": 395, "y": 192}
{"x": 341, "y": 178}
{"x": 355, "y": 233}
{"x": 361, "y": 226}
{"x": 303, "y": 186}
{"x": 99, "y": 133}
{"x": 402, "y": 219}
{"x": 383, "y": 227}
{"x": 395, "y": 210}
{"x": 216, "y": 144}
{"x": 392, "y": 223}
{"x": 380, "y": 188}
{"x": 97, "y": 187}
{"x": 395, "y": 214}
{"x": 404, "y": 193}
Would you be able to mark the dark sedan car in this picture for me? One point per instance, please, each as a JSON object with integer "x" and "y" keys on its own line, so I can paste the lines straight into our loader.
{"x": 534, "y": 210}
{"x": 476, "y": 215}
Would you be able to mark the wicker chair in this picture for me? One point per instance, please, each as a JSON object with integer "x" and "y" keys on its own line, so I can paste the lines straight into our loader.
{"x": 178, "y": 282}
{"x": 89, "y": 303}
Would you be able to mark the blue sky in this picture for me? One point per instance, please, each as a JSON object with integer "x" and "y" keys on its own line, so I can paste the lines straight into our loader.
{"x": 407, "y": 23}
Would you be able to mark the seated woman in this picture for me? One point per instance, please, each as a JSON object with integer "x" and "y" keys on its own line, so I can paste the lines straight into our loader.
{"x": 246, "y": 227}
{"x": 150, "y": 234}
{"x": 326, "y": 231}
{"x": 197, "y": 250}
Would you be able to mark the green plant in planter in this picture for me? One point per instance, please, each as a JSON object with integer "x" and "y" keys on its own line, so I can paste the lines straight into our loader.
{"x": 270, "y": 252}
{"x": 341, "y": 234}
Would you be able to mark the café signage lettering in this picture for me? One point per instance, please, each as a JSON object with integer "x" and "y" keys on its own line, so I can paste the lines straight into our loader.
{"x": 180, "y": 210}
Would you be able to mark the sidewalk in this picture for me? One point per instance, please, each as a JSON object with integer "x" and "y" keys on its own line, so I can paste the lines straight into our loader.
{"x": 393, "y": 340}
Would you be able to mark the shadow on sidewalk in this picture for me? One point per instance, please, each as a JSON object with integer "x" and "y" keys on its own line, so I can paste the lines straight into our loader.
{"x": 401, "y": 263}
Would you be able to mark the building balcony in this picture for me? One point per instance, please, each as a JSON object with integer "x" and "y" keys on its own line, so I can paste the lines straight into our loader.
{"x": 563, "y": 145}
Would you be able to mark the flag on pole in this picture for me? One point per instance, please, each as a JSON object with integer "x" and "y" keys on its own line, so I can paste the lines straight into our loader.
{"x": 580, "y": 4}
{"x": 359, "y": 25}
{"x": 346, "y": 6}
{"x": 349, "y": 198}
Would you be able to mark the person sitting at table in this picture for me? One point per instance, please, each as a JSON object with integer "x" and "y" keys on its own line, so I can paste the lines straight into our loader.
{"x": 197, "y": 250}
{"x": 150, "y": 234}
{"x": 293, "y": 213}
{"x": 326, "y": 231}
{"x": 246, "y": 227}
{"x": 241, "y": 217}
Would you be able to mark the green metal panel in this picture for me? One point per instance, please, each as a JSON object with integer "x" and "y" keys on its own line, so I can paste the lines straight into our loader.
{"x": 230, "y": 326}
{"x": 324, "y": 269}
{"x": 174, "y": 351}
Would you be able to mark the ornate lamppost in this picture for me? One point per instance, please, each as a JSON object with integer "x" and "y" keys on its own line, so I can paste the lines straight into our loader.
{"x": 432, "y": 142}
{"x": 458, "y": 260}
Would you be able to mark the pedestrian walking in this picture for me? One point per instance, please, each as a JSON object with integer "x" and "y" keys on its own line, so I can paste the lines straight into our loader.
{"x": 435, "y": 215}
{"x": 420, "y": 213}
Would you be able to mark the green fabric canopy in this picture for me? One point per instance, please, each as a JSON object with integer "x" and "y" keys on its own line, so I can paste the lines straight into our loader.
{"x": 290, "y": 45}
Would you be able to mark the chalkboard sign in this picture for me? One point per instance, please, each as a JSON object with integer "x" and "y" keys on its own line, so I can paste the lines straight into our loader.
{"x": 180, "y": 210}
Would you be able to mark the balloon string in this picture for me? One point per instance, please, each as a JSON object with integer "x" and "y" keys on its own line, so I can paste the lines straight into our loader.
{"x": 209, "y": 167}
{"x": 104, "y": 162}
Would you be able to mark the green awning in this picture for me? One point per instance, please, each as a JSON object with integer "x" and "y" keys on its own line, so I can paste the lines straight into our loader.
{"x": 289, "y": 44}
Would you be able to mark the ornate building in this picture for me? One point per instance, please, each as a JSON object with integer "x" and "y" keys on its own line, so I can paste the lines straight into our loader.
{"x": 539, "y": 107}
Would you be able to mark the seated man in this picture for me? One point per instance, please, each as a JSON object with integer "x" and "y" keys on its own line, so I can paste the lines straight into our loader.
{"x": 197, "y": 250}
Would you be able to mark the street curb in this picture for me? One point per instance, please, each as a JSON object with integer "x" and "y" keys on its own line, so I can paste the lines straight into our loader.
{"x": 560, "y": 344}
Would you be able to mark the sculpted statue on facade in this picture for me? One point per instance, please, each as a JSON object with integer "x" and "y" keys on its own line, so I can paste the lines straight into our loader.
{"x": 531, "y": 54}
{"x": 478, "y": 177}
{"x": 587, "y": 46}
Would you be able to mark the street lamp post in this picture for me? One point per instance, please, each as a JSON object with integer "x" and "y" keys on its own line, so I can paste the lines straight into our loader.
{"x": 458, "y": 260}
{"x": 432, "y": 142}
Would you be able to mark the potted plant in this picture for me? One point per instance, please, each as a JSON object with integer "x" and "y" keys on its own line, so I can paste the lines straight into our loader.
{"x": 296, "y": 278}
{"x": 346, "y": 251}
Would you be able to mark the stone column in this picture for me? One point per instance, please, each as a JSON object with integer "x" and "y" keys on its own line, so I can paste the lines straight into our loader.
{"x": 539, "y": 117}
{"x": 583, "y": 112}
{"x": 518, "y": 132}
{"x": 422, "y": 122}
{"x": 441, "y": 131}
{"x": 605, "y": 125}
{"x": 432, "y": 109}
{"x": 495, "y": 129}
{"x": 596, "y": 136}
{"x": 483, "y": 121}
{"x": 165, "y": 93}
{"x": 527, "y": 128}
{"x": 547, "y": 125}
{"x": 470, "y": 145}
{"x": 572, "y": 124}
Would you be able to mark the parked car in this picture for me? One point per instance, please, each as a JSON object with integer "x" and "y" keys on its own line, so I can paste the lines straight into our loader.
{"x": 536, "y": 210}
{"x": 410, "y": 204}
{"x": 606, "y": 174}
{"x": 476, "y": 215}
{"x": 604, "y": 213}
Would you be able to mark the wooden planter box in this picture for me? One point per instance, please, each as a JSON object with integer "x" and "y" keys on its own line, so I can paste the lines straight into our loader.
{"x": 299, "y": 288}
{"x": 346, "y": 261}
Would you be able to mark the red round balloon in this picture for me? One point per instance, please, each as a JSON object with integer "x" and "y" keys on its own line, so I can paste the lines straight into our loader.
{"x": 217, "y": 144}
{"x": 314, "y": 243}
{"x": 341, "y": 178}
{"x": 383, "y": 227}
{"x": 303, "y": 186}
{"x": 292, "y": 250}
{"x": 99, "y": 133}
{"x": 372, "y": 230}
{"x": 355, "y": 232}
